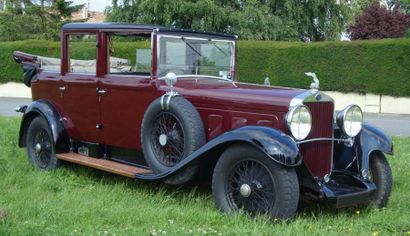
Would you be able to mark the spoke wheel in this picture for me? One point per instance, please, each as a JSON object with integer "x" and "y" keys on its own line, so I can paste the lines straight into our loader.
{"x": 246, "y": 179}
{"x": 170, "y": 135}
{"x": 167, "y": 139}
{"x": 40, "y": 145}
{"x": 251, "y": 187}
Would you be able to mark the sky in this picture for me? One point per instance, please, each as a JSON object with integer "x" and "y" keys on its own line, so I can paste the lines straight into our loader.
{"x": 95, "y": 5}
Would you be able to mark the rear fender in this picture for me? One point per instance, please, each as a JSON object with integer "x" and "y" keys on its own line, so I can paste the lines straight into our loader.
{"x": 46, "y": 110}
{"x": 277, "y": 146}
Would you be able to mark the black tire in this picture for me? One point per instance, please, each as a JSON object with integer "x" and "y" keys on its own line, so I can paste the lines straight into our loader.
{"x": 184, "y": 133}
{"x": 40, "y": 145}
{"x": 276, "y": 186}
{"x": 381, "y": 175}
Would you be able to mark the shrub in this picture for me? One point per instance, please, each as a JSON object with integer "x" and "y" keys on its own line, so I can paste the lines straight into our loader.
{"x": 371, "y": 66}
{"x": 377, "y": 22}
{"x": 408, "y": 33}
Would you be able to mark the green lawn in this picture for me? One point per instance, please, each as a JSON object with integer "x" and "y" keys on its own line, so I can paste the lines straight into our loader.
{"x": 80, "y": 201}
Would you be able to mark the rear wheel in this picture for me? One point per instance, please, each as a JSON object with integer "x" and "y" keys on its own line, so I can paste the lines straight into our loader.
{"x": 245, "y": 179}
{"x": 381, "y": 175}
{"x": 40, "y": 145}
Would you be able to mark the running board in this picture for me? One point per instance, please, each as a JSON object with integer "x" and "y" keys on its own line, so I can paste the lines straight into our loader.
{"x": 103, "y": 164}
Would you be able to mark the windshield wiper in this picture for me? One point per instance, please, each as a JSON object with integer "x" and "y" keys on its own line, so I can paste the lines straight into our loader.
{"x": 189, "y": 45}
{"x": 217, "y": 47}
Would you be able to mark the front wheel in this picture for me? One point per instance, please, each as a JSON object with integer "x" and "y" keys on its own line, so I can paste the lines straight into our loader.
{"x": 381, "y": 175}
{"x": 40, "y": 145}
{"x": 246, "y": 179}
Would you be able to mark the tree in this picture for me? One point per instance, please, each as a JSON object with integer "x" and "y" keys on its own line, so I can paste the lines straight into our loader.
{"x": 378, "y": 22}
{"x": 404, "y": 5}
{"x": 25, "y": 19}
{"x": 307, "y": 20}
{"x": 65, "y": 9}
{"x": 358, "y": 6}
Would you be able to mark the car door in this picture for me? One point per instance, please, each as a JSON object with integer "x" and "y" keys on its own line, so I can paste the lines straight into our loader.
{"x": 80, "y": 100}
{"x": 128, "y": 87}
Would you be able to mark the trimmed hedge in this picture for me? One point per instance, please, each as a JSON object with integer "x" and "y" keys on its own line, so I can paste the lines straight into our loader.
{"x": 9, "y": 69}
{"x": 372, "y": 66}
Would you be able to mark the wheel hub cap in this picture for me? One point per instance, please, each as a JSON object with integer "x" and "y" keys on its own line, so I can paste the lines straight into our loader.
{"x": 245, "y": 190}
{"x": 163, "y": 139}
{"x": 37, "y": 148}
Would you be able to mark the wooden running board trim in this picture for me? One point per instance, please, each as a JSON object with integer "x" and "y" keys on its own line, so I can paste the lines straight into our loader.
{"x": 102, "y": 164}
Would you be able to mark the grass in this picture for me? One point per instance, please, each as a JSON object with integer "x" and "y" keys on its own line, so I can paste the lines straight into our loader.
{"x": 76, "y": 200}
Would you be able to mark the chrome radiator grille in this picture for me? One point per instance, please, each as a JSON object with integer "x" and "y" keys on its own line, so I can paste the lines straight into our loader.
{"x": 318, "y": 155}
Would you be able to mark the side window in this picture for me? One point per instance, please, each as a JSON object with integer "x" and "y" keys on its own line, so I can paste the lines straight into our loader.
{"x": 129, "y": 54}
{"x": 82, "y": 53}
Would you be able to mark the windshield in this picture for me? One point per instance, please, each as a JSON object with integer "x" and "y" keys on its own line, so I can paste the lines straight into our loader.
{"x": 196, "y": 56}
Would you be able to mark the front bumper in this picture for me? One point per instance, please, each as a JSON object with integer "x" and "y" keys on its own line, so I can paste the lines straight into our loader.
{"x": 344, "y": 189}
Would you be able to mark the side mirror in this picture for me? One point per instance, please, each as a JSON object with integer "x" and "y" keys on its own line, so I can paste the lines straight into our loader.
{"x": 171, "y": 79}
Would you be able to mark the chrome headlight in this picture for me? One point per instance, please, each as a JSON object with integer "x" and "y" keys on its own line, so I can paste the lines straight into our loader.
{"x": 350, "y": 120}
{"x": 299, "y": 121}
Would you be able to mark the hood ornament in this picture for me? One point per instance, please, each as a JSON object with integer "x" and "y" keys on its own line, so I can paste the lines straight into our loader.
{"x": 315, "y": 84}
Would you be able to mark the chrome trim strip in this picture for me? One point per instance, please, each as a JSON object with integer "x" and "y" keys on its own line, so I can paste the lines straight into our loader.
{"x": 310, "y": 96}
{"x": 262, "y": 85}
{"x": 347, "y": 140}
{"x": 203, "y": 76}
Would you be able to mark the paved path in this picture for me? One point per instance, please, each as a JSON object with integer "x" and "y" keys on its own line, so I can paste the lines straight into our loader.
{"x": 393, "y": 124}
{"x": 7, "y": 105}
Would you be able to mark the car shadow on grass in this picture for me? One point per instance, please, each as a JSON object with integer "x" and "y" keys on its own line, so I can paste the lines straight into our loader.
{"x": 200, "y": 188}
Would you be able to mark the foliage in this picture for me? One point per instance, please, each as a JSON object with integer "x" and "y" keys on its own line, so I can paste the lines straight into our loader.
{"x": 64, "y": 9}
{"x": 378, "y": 22}
{"x": 371, "y": 66}
{"x": 78, "y": 200}
{"x": 404, "y": 5}
{"x": 358, "y": 6}
{"x": 10, "y": 70}
{"x": 312, "y": 20}
{"x": 21, "y": 19}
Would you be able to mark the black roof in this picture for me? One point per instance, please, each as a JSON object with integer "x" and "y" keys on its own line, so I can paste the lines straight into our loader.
{"x": 108, "y": 25}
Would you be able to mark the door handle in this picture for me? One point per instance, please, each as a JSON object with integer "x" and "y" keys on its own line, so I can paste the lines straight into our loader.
{"x": 62, "y": 88}
{"x": 101, "y": 91}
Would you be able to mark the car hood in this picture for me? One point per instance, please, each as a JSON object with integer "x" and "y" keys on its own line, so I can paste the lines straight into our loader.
{"x": 220, "y": 94}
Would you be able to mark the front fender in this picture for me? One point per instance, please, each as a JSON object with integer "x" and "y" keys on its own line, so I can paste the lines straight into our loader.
{"x": 46, "y": 110}
{"x": 369, "y": 140}
{"x": 372, "y": 139}
{"x": 275, "y": 144}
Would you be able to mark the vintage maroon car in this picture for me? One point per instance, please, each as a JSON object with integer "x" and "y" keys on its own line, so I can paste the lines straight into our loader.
{"x": 158, "y": 103}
